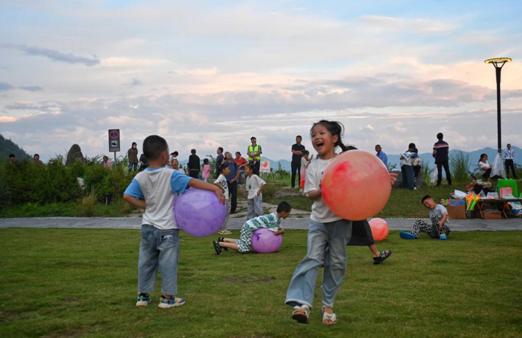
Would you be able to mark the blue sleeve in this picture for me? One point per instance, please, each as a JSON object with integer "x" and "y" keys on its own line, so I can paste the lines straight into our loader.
{"x": 415, "y": 155}
{"x": 179, "y": 182}
{"x": 134, "y": 190}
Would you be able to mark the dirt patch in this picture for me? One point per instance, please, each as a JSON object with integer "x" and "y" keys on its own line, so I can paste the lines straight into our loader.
{"x": 248, "y": 280}
{"x": 70, "y": 300}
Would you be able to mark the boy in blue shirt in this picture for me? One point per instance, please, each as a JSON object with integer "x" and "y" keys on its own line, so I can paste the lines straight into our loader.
{"x": 155, "y": 190}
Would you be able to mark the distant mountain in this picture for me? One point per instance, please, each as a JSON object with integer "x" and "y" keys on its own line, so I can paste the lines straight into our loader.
{"x": 8, "y": 147}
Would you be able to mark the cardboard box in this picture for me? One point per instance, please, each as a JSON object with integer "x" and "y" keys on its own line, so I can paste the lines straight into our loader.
{"x": 492, "y": 215}
{"x": 456, "y": 211}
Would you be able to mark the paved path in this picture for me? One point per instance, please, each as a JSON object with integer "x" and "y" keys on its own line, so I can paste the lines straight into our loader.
{"x": 235, "y": 223}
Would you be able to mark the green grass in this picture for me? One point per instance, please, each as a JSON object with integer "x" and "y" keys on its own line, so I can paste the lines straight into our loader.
{"x": 82, "y": 283}
{"x": 69, "y": 209}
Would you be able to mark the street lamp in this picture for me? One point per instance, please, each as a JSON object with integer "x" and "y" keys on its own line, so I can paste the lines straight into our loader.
{"x": 498, "y": 63}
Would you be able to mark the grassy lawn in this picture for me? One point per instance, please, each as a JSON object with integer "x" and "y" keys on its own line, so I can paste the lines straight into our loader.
{"x": 69, "y": 209}
{"x": 82, "y": 283}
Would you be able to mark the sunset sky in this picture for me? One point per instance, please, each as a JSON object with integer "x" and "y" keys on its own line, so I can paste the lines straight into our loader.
{"x": 205, "y": 74}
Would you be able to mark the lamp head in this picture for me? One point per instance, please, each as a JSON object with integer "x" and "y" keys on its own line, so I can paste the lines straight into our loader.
{"x": 498, "y": 62}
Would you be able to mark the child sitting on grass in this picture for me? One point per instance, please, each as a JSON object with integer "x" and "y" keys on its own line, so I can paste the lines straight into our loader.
{"x": 439, "y": 227}
{"x": 155, "y": 189}
{"x": 271, "y": 222}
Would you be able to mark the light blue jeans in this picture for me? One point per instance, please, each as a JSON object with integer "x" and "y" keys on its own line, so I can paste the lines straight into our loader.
{"x": 158, "y": 249}
{"x": 302, "y": 286}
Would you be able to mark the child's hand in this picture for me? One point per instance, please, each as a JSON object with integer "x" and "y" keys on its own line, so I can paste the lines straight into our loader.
{"x": 258, "y": 192}
{"x": 220, "y": 195}
{"x": 393, "y": 178}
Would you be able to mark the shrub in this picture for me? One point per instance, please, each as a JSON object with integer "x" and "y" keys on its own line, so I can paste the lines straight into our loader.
{"x": 87, "y": 206}
{"x": 460, "y": 164}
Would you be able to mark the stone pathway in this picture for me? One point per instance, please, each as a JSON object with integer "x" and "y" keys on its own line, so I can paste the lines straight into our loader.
{"x": 236, "y": 223}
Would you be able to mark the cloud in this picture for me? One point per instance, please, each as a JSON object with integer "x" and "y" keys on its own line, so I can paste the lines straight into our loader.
{"x": 5, "y": 87}
{"x": 55, "y": 55}
{"x": 417, "y": 25}
{"x": 32, "y": 88}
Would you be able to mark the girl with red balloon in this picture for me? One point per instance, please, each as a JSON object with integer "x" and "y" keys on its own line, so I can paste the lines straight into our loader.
{"x": 352, "y": 186}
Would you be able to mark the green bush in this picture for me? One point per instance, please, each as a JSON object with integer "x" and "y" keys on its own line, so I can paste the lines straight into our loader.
{"x": 460, "y": 164}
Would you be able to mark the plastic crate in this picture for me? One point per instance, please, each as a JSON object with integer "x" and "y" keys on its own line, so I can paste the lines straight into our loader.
{"x": 513, "y": 184}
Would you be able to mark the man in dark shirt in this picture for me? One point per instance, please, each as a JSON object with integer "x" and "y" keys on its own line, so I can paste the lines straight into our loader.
{"x": 219, "y": 160}
{"x": 232, "y": 177}
{"x": 440, "y": 152}
{"x": 297, "y": 154}
{"x": 194, "y": 164}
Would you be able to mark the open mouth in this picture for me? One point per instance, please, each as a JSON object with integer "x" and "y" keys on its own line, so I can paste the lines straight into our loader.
{"x": 319, "y": 144}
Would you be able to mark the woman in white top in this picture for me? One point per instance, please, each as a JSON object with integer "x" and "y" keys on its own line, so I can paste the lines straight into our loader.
{"x": 485, "y": 167}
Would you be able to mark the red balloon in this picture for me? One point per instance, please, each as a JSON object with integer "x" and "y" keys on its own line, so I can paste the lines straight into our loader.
{"x": 379, "y": 228}
{"x": 356, "y": 185}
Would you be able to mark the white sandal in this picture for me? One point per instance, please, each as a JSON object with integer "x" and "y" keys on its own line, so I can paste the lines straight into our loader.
{"x": 301, "y": 314}
{"x": 328, "y": 318}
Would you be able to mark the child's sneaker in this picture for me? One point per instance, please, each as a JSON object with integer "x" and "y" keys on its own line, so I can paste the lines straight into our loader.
{"x": 443, "y": 237}
{"x": 407, "y": 235}
{"x": 143, "y": 299}
{"x": 166, "y": 302}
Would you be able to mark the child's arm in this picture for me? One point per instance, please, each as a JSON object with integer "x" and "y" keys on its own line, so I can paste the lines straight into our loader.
{"x": 220, "y": 187}
{"x": 133, "y": 201}
{"x": 195, "y": 183}
{"x": 443, "y": 220}
{"x": 279, "y": 232}
{"x": 260, "y": 188}
{"x": 313, "y": 194}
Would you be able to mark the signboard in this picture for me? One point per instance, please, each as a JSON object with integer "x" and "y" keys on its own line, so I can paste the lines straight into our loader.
{"x": 114, "y": 140}
{"x": 265, "y": 166}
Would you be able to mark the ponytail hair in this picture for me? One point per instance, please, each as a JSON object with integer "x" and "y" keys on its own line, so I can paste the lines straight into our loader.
{"x": 335, "y": 128}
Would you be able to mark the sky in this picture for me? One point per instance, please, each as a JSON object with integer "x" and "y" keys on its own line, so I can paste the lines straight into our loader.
{"x": 205, "y": 74}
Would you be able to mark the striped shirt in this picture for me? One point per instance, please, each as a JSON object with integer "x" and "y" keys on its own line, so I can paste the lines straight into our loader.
{"x": 442, "y": 149}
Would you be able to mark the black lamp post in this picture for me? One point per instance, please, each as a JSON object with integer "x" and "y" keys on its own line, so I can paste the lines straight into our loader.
{"x": 498, "y": 63}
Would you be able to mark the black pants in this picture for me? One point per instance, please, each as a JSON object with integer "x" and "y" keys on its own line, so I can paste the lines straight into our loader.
{"x": 296, "y": 168}
{"x": 486, "y": 175}
{"x": 194, "y": 173}
{"x": 232, "y": 190}
{"x": 510, "y": 164}
{"x": 446, "y": 170}
{"x": 257, "y": 166}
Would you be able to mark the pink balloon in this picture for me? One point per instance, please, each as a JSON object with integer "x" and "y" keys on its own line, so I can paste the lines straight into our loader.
{"x": 264, "y": 241}
{"x": 356, "y": 185}
{"x": 379, "y": 228}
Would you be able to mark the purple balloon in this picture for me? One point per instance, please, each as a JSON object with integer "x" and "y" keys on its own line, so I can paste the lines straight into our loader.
{"x": 264, "y": 241}
{"x": 199, "y": 212}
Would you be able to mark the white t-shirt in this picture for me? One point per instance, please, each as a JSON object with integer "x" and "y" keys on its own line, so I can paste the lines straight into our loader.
{"x": 253, "y": 183}
{"x": 314, "y": 175}
{"x": 483, "y": 167}
{"x": 438, "y": 212}
{"x": 408, "y": 160}
{"x": 222, "y": 180}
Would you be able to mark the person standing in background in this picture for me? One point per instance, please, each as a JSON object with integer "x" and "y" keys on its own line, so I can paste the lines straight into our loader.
{"x": 381, "y": 155}
{"x": 219, "y": 160}
{"x": 132, "y": 155}
{"x": 232, "y": 178}
{"x": 297, "y": 155}
{"x": 440, "y": 153}
{"x": 509, "y": 156}
{"x": 194, "y": 164}
{"x": 254, "y": 152}
{"x": 106, "y": 162}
